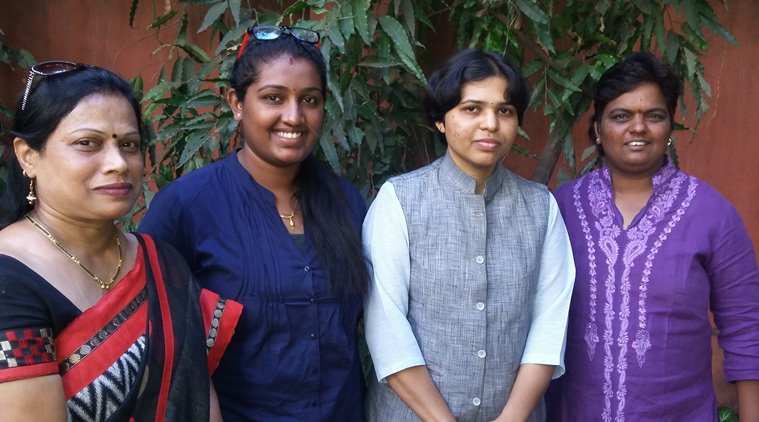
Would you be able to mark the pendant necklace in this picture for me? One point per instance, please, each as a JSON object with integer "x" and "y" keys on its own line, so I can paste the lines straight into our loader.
{"x": 105, "y": 285}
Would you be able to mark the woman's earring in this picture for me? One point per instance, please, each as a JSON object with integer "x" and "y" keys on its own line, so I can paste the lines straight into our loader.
{"x": 440, "y": 127}
{"x": 669, "y": 142}
{"x": 31, "y": 197}
{"x": 238, "y": 115}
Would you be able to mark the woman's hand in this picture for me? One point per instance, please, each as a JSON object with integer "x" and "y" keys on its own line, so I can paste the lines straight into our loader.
{"x": 415, "y": 387}
{"x": 530, "y": 385}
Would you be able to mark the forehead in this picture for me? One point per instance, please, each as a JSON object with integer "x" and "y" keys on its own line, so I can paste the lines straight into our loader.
{"x": 288, "y": 71}
{"x": 645, "y": 95}
{"x": 100, "y": 111}
{"x": 494, "y": 89}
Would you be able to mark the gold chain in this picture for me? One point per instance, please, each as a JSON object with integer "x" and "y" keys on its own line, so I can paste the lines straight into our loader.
{"x": 103, "y": 285}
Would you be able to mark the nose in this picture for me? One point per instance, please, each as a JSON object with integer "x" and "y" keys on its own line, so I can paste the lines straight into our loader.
{"x": 293, "y": 113}
{"x": 113, "y": 158}
{"x": 637, "y": 123}
{"x": 489, "y": 121}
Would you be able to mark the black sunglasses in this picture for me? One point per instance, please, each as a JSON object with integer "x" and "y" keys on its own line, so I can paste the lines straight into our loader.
{"x": 46, "y": 69}
{"x": 270, "y": 32}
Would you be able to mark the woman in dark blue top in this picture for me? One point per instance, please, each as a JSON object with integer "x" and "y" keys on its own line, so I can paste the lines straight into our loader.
{"x": 274, "y": 229}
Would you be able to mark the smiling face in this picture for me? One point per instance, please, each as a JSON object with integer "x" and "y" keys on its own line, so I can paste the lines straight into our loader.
{"x": 482, "y": 127}
{"x": 282, "y": 112}
{"x": 91, "y": 166}
{"x": 633, "y": 131}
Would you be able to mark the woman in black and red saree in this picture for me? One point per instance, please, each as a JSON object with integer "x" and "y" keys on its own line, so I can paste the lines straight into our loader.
{"x": 96, "y": 324}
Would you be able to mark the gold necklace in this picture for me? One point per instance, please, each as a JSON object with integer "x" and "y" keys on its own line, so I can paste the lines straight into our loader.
{"x": 103, "y": 285}
{"x": 289, "y": 218}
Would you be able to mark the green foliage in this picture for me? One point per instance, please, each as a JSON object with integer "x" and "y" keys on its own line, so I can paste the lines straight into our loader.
{"x": 726, "y": 414}
{"x": 566, "y": 45}
{"x": 12, "y": 57}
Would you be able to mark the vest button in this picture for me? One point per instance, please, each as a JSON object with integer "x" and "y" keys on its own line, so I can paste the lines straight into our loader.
{"x": 481, "y": 354}
{"x": 480, "y": 306}
{"x": 476, "y": 401}
{"x": 479, "y": 259}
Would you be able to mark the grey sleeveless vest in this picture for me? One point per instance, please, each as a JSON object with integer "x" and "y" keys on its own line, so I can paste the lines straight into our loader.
{"x": 474, "y": 270}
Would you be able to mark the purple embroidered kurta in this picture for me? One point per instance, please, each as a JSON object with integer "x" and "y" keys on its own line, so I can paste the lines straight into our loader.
{"x": 638, "y": 346}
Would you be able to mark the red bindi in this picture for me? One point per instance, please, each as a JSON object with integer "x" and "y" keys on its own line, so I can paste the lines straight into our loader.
{"x": 114, "y": 136}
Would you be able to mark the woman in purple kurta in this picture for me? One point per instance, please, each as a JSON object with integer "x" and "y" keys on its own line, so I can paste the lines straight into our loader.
{"x": 654, "y": 248}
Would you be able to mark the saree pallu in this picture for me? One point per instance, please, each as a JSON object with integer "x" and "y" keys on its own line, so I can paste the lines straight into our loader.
{"x": 138, "y": 354}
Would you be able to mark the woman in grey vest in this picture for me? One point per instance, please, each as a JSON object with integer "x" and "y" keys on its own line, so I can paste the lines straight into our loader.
{"x": 472, "y": 268}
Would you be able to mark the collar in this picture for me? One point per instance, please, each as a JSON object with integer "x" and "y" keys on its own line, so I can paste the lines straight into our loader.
{"x": 659, "y": 180}
{"x": 452, "y": 176}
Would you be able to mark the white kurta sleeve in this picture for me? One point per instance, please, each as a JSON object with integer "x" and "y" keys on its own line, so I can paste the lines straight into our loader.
{"x": 391, "y": 341}
{"x": 548, "y": 330}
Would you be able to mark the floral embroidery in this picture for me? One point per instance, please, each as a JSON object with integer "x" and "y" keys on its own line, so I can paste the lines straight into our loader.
{"x": 591, "y": 331}
{"x": 668, "y": 183}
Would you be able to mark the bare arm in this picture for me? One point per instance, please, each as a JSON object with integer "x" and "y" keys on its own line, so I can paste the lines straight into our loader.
{"x": 215, "y": 410}
{"x": 33, "y": 399}
{"x": 530, "y": 385}
{"x": 748, "y": 400}
{"x": 415, "y": 387}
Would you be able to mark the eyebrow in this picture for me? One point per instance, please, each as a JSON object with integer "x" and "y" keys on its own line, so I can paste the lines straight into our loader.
{"x": 472, "y": 101}
{"x": 282, "y": 87}
{"x": 100, "y": 132}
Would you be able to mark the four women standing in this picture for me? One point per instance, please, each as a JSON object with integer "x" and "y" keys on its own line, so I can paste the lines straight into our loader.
{"x": 471, "y": 265}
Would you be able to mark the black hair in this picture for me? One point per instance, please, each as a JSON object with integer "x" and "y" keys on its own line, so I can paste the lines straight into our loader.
{"x": 625, "y": 76}
{"x": 322, "y": 200}
{"x": 445, "y": 83}
{"x": 50, "y": 100}
{"x": 246, "y": 69}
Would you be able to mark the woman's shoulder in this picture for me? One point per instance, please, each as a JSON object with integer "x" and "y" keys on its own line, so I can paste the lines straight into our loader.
{"x": 199, "y": 180}
{"x": 419, "y": 175}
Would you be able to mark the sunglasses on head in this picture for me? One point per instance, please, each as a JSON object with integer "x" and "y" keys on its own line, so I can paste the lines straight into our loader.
{"x": 46, "y": 69}
{"x": 269, "y": 32}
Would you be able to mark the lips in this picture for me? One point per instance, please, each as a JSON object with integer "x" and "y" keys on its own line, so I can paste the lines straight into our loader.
{"x": 637, "y": 143}
{"x": 288, "y": 134}
{"x": 487, "y": 144}
{"x": 116, "y": 189}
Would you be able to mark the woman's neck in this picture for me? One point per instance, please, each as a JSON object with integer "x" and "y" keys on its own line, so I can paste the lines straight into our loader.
{"x": 276, "y": 179}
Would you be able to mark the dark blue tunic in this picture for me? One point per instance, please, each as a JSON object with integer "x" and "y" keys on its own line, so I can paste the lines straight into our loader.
{"x": 294, "y": 355}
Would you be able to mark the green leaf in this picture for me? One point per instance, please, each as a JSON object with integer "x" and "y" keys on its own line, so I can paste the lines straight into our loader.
{"x": 334, "y": 35}
{"x": 132, "y": 12}
{"x": 401, "y": 44}
{"x": 532, "y": 11}
{"x": 234, "y": 8}
{"x": 159, "y": 21}
{"x": 719, "y": 30}
{"x": 409, "y": 17}
{"x": 213, "y": 14}
{"x": 296, "y": 7}
{"x": 588, "y": 152}
{"x": 196, "y": 53}
{"x": 330, "y": 153}
{"x": 346, "y": 25}
{"x": 194, "y": 142}
{"x": 360, "y": 8}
